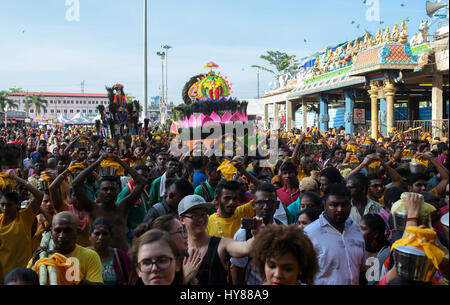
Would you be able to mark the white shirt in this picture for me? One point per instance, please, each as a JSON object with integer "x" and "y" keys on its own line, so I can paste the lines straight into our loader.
{"x": 372, "y": 207}
{"x": 280, "y": 213}
{"x": 341, "y": 256}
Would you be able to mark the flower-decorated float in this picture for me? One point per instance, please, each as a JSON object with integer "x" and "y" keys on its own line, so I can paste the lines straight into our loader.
{"x": 119, "y": 125}
{"x": 208, "y": 104}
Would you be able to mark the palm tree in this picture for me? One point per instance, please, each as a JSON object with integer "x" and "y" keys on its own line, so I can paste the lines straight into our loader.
{"x": 6, "y": 102}
{"x": 280, "y": 60}
{"x": 38, "y": 101}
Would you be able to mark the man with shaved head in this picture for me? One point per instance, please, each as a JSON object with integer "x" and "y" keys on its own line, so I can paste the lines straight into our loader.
{"x": 64, "y": 235}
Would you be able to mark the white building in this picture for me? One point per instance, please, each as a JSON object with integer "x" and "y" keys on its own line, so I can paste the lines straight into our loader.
{"x": 68, "y": 104}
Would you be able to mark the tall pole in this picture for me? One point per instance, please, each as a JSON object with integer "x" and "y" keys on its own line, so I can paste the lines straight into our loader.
{"x": 162, "y": 80}
{"x": 162, "y": 54}
{"x": 257, "y": 75}
{"x": 145, "y": 60}
{"x": 166, "y": 47}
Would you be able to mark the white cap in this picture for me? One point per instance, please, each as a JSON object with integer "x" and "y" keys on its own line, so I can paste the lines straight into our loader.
{"x": 191, "y": 202}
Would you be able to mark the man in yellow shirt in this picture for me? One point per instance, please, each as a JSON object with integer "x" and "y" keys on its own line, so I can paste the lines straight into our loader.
{"x": 227, "y": 220}
{"x": 64, "y": 235}
{"x": 15, "y": 227}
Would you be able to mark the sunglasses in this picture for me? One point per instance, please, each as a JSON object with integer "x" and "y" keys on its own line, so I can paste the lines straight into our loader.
{"x": 264, "y": 202}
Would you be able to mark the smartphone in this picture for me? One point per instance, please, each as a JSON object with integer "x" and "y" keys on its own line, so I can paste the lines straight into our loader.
{"x": 249, "y": 224}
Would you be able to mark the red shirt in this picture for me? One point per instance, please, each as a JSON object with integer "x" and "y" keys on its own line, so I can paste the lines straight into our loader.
{"x": 287, "y": 198}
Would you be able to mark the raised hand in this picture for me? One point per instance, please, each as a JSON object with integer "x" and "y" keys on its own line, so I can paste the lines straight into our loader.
{"x": 191, "y": 265}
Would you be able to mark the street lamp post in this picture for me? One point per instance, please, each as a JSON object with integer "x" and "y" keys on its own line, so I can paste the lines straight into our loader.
{"x": 162, "y": 55}
{"x": 167, "y": 47}
{"x": 145, "y": 59}
{"x": 257, "y": 76}
{"x": 257, "y": 80}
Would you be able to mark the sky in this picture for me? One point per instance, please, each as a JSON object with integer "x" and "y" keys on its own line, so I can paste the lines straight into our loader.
{"x": 45, "y": 49}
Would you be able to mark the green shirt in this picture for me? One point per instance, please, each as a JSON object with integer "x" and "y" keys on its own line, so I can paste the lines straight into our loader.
{"x": 136, "y": 213}
{"x": 155, "y": 196}
{"x": 211, "y": 192}
{"x": 92, "y": 192}
{"x": 108, "y": 273}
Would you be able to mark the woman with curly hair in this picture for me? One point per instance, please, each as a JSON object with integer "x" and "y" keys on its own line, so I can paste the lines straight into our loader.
{"x": 284, "y": 255}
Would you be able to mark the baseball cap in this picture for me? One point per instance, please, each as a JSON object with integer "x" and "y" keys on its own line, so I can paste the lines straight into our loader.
{"x": 191, "y": 202}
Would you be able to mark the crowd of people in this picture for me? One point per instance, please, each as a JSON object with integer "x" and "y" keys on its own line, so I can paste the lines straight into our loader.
{"x": 148, "y": 217}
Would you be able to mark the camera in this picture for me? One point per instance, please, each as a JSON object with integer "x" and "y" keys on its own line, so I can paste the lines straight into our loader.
{"x": 249, "y": 223}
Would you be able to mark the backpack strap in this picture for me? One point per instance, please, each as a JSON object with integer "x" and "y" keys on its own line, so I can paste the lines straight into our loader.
{"x": 116, "y": 254}
{"x": 159, "y": 209}
{"x": 205, "y": 192}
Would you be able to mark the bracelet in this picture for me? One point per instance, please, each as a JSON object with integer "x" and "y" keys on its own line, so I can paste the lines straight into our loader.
{"x": 412, "y": 218}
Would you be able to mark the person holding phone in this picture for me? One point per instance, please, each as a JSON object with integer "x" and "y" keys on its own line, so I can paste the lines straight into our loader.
{"x": 265, "y": 204}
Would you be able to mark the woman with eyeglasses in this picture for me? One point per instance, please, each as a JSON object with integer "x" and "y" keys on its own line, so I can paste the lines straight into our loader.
{"x": 191, "y": 261}
{"x": 116, "y": 264}
{"x": 157, "y": 260}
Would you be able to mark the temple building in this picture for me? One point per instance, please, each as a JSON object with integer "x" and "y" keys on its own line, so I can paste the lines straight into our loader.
{"x": 380, "y": 80}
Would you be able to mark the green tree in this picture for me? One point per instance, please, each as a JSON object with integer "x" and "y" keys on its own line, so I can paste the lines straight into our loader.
{"x": 6, "y": 102}
{"x": 15, "y": 90}
{"x": 36, "y": 101}
{"x": 279, "y": 60}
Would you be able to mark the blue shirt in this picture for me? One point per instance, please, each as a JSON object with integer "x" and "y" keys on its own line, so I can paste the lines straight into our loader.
{"x": 198, "y": 178}
{"x": 294, "y": 208}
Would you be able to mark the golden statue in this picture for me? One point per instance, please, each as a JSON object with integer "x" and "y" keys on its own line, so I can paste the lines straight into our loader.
{"x": 404, "y": 33}
{"x": 387, "y": 36}
{"x": 356, "y": 47}
{"x": 395, "y": 34}
{"x": 379, "y": 37}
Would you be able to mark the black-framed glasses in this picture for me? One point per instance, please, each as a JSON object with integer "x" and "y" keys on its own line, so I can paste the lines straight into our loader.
{"x": 182, "y": 231}
{"x": 196, "y": 216}
{"x": 162, "y": 262}
{"x": 447, "y": 193}
{"x": 264, "y": 202}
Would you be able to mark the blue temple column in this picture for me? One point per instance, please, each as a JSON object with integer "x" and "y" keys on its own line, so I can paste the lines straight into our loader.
{"x": 323, "y": 112}
{"x": 382, "y": 115}
{"x": 350, "y": 97}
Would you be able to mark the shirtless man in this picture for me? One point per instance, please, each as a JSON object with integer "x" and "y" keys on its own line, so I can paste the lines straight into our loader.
{"x": 108, "y": 192}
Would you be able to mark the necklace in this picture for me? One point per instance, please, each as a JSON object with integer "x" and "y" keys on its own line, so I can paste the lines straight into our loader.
{"x": 219, "y": 227}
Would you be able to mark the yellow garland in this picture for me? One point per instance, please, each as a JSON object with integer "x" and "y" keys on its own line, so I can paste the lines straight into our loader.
{"x": 351, "y": 147}
{"x": 368, "y": 142}
{"x": 406, "y": 154}
{"x": 76, "y": 167}
{"x": 375, "y": 164}
{"x": 228, "y": 169}
{"x": 420, "y": 161}
{"x": 61, "y": 264}
{"x": 5, "y": 180}
{"x": 109, "y": 163}
{"x": 353, "y": 159}
{"x": 423, "y": 239}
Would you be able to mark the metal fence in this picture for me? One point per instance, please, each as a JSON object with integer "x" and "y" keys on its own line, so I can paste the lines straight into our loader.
{"x": 415, "y": 129}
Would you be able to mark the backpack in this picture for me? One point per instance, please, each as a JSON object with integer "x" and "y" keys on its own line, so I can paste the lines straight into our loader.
{"x": 160, "y": 210}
